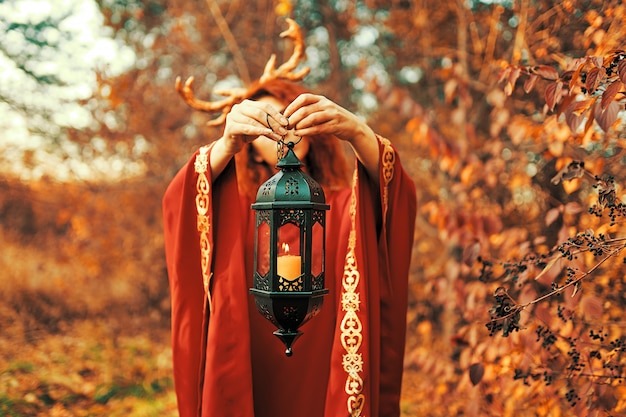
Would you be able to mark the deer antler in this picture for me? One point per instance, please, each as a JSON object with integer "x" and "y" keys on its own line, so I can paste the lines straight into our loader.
{"x": 237, "y": 95}
{"x": 233, "y": 96}
{"x": 285, "y": 71}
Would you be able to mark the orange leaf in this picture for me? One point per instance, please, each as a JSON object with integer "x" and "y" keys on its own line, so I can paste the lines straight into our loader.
{"x": 592, "y": 115}
{"x": 548, "y": 267}
{"x": 576, "y": 75}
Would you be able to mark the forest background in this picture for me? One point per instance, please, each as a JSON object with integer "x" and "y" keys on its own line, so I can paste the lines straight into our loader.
{"x": 509, "y": 116}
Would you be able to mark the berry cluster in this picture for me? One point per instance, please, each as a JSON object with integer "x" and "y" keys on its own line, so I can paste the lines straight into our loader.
{"x": 504, "y": 315}
{"x": 613, "y": 65}
{"x": 608, "y": 200}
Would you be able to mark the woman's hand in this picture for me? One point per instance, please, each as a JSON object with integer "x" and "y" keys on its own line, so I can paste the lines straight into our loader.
{"x": 250, "y": 119}
{"x": 245, "y": 122}
{"x": 310, "y": 114}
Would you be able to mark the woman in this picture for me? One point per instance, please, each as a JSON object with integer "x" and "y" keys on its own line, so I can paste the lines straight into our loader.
{"x": 227, "y": 362}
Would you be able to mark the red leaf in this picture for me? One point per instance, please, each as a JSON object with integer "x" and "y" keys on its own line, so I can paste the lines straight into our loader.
{"x": 505, "y": 74}
{"x": 610, "y": 93}
{"x": 545, "y": 72}
{"x": 553, "y": 94}
{"x": 573, "y": 208}
{"x": 621, "y": 70}
{"x": 592, "y": 115}
{"x": 607, "y": 117}
{"x": 591, "y": 307}
{"x": 582, "y": 106}
{"x": 575, "y": 113}
{"x": 470, "y": 253}
{"x": 598, "y": 61}
{"x": 594, "y": 76}
{"x": 476, "y": 372}
{"x": 513, "y": 75}
{"x": 575, "y": 76}
{"x": 530, "y": 83}
{"x": 573, "y": 119}
{"x": 552, "y": 215}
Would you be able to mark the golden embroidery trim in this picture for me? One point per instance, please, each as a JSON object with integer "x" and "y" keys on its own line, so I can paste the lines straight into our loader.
{"x": 201, "y": 166}
{"x": 351, "y": 325}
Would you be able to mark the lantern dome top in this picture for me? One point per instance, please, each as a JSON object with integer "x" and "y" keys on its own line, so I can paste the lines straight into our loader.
{"x": 290, "y": 186}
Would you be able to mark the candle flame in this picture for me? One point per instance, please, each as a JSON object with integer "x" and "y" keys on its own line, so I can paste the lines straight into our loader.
{"x": 286, "y": 248}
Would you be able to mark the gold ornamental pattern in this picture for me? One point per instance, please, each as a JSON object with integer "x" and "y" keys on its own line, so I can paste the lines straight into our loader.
{"x": 351, "y": 326}
{"x": 201, "y": 166}
{"x": 388, "y": 161}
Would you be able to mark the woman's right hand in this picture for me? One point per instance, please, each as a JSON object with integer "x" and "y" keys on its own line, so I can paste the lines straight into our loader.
{"x": 248, "y": 120}
{"x": 245, "y": 122}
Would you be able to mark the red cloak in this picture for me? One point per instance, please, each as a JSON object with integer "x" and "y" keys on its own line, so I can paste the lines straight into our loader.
{"x": 349, "y": 361}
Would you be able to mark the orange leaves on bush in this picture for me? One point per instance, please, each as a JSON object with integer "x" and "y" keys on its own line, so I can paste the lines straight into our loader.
{"x": 594, "y": 76}
{"x": 439, "y": 146}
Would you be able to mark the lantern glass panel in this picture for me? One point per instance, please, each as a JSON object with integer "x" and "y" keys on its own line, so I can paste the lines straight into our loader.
{"x": 317, "y": 261}
{"x": 263, "y": 248}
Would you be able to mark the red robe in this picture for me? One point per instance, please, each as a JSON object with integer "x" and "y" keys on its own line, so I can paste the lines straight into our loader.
{"x": 349, "y": 361}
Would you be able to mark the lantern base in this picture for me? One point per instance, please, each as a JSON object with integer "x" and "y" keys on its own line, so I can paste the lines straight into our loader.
{"x": 288, "y": 338}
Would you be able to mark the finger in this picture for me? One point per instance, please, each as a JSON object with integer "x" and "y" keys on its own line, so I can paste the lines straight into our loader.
{"x": 250, "y": 129}
{"x": 307, "y": 117}
{"x": 317, "y": 129}
{"x": 302, "y": 100}
{"x": 274, "y": 125}
{"x": 271, "y": 115}
{"x": 254, "y": 115}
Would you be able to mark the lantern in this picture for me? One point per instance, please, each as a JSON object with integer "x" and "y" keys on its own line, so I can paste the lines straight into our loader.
{"x": 289, "y": 248}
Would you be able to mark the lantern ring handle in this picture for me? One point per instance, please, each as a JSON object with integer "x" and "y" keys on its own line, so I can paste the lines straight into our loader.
{"x": 267, "y": 119}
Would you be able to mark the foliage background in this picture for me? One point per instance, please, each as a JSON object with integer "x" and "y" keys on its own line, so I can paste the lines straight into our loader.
{"x": 505, "y": 177}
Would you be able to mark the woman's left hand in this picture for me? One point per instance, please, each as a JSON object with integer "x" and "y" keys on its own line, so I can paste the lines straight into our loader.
{"x": 311, "y": 114}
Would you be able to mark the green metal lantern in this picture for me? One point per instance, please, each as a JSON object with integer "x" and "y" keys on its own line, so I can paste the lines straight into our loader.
{"x": 289, "y": 248}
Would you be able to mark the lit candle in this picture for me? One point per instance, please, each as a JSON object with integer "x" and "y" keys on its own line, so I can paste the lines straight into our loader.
{"x": 289, "y": 266}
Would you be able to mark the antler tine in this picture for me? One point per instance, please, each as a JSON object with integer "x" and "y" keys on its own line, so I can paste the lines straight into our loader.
{"x": 286, "y": 70}
{"x": 233, "y": 96}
